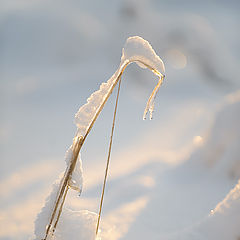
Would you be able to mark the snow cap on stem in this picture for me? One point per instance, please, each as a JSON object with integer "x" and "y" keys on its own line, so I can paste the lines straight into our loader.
{"x": 137, "y": 50}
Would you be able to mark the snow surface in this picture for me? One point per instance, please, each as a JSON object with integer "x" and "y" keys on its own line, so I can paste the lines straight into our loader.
{"x": 209, "y": 179}
{"x": 222, "y": 223}
{"x": 55, "y": 53}
{"x": 221, "y": 155}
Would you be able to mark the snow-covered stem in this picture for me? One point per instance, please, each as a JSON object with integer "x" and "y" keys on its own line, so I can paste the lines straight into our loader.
{"x": 136, "y": 50}
{"x": 63, "y": 188}
{"x": 77, "y": 144}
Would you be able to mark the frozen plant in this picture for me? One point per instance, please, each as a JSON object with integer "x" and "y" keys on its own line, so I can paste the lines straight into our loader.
{"x": 56, "y": 222}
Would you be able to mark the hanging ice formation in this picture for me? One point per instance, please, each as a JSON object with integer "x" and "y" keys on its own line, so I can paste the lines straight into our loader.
{"x": 81, "y": 224}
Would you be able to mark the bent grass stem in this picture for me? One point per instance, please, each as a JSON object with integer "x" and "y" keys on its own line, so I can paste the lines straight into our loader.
{"x": 77, "y": 145}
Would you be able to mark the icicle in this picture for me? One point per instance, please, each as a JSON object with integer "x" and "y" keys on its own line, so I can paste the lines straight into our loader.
{"x": 150, "y": 103}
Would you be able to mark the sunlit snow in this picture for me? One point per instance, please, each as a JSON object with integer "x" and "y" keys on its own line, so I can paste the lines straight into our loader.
{"x": 173, "y": 178}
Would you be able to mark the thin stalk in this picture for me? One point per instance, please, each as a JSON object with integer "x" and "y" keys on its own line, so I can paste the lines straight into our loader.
{"x": 108, "y": 158}
{"x": 60, "y": 209}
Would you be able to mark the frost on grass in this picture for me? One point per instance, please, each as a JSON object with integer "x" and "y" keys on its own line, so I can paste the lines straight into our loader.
{"x": 137, "y": 50}
{"x": 81, "y": 224}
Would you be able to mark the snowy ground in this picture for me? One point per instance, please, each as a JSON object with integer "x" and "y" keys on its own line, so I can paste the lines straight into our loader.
{"x": 166, "y": 175}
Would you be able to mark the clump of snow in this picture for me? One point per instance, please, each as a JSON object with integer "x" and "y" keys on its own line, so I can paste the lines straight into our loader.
{"x": 136, "y": 50}
{"x": 75, "y": 182}
{"x": 43, "y": 217}
{"x": 76, "y": 225}
{"x": 89, "y": 111}
{"x": 72, "y": 225}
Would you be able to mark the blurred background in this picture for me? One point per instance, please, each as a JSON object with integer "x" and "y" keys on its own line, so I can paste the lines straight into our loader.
{"x": 54, "y": 54}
